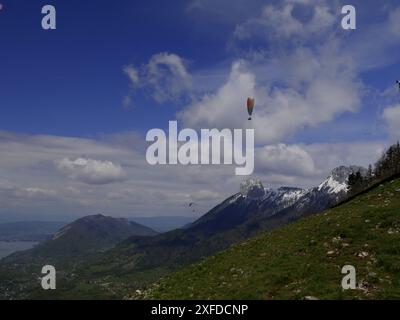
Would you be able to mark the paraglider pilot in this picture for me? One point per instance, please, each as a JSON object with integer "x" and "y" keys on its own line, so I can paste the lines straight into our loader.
{"x": 250, "y": 106}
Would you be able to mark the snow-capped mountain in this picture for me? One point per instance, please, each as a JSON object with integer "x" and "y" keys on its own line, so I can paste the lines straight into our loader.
{"x": 271, "y": 201}
{"x": 330, "y": 192}
{"x": 253, "y": 190}
{"x": 254, "y": 201}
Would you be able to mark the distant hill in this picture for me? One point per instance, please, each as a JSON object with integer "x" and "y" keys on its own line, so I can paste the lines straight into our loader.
{"x": 73, "y": 245}
{"x": 36, "y": 231}
{"x": 305, "y": 258}
{"x": 92, "y": 233}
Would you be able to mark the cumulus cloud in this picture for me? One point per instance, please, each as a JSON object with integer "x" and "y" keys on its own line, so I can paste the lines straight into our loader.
{"x": 91, "y": 171}
{"x": 318, "y": 95}
{"x": 327, "y": 156}
{"x": 164, "y": 78}
{"x": 300, "y": 66}
{"x": 300, "y": 76}
{"x": 300, "y": 19}
{"x": 306, "y": 165}
{"x": 222, "y": 109}
{"x": 286, "y": 160}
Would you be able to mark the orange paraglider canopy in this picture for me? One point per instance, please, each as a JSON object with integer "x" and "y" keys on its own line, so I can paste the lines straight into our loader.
{"x": 250, "y": 106}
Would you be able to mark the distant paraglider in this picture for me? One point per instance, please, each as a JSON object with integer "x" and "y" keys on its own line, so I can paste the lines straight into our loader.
{"x": 398, "y": 83}
{"x": 193, "y": 206}
{"x": 250, "y": 106}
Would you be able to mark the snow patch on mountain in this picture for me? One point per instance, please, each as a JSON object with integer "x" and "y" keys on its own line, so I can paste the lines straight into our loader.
{"x": 333, "y": 186}
{"x": 293, "y": 195}
{"x": 337, "y": 182}
{"x": 235, "y": 198}
{"x": 252, "y": 188}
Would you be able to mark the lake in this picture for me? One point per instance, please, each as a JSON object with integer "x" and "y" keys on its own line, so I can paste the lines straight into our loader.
{"x": 6, "y": 248}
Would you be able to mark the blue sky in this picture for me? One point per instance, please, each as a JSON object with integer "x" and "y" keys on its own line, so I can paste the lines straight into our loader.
{"x": 80, "y": 99}
{"x": 69, "y": 81}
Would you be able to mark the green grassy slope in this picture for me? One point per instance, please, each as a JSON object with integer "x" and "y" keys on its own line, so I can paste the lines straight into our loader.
{"x": 305, "y": 258}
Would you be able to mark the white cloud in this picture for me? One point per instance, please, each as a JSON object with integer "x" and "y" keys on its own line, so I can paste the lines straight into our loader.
{"x": 286, "y": 160}
{"x": 327, "y": 156}
{"x": 17, "y": 194}
{"x": 280, "y": 21}
{"x": 91, "y": 171}
{"x": 225, "y": 108}
{"x": 164, "y": 78}
{"x": 302, "y": 68}
{"x": 311, "y": 96}
{"x": 306, "y": 165}
{"x": 392, "y": 118}
{"x": 132, "y": 74}
{"x": 205, "y": 195}
{"x": 38, "y": 193}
